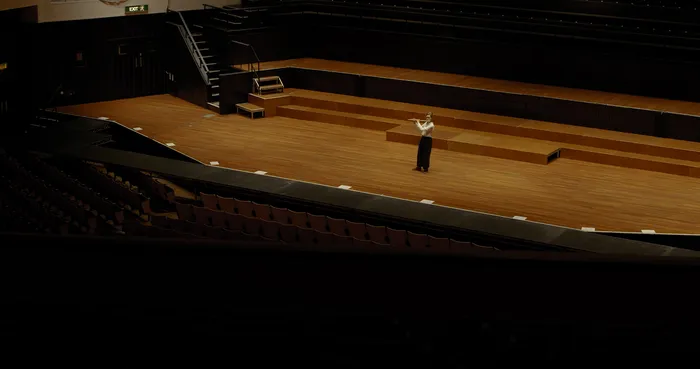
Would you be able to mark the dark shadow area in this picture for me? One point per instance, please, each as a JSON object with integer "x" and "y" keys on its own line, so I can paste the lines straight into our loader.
{"x": 137, "y": 302}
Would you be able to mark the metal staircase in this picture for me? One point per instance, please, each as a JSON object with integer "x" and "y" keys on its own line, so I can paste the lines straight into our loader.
{"x": 208, "y": 36}
{"x": 205, "y": 55}
{"x": 231, "y": 18}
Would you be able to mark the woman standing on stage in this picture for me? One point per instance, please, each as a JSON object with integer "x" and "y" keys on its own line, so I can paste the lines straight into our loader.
{"x": 425, "y": 146}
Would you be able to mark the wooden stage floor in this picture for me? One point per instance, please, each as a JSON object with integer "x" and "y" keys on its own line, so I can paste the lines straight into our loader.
{"x": 674, "y": 106}
{"x": 565, "y": 192}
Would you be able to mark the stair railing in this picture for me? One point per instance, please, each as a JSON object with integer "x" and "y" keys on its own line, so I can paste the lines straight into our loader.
{"x": 252, "y": 64}
{"x": 226, "y": 13}
{"x": 192, "y": 46}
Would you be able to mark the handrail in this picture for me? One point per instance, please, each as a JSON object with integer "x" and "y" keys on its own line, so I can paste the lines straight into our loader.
{"x": 198, "y": 53}
{"x": 223, "y": 11}
{"x": 255, "y": 54}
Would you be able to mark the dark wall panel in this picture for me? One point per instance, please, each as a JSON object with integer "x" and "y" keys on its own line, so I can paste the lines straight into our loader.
{"x": 276, "y": 43}
{"x": 594, "y": 66}
{"x": 184, "y": 79}
{"x": 98, "y": 59}
{"x": 678, "y": 126}
{"x": 15, "y": 50}
{"x": 234, "y": 90}
{"x": 631, "y": 120}
{"x": 339, "y": 83}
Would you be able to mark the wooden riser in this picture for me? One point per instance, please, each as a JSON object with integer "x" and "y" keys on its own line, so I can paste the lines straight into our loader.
{"x": 517, "y": 127}
{"x": 503, "y": 126}
{"x": 475, "y": 143}
{"x": 502, "y": 153}
{"x": 504, "y": 137}
{"x": 687, "y": 170}
{"x": 270, "y": 102}
{"x": 438, "y": 143}
{"x": 352, "y": 108}
{"x": 328, "y": 117}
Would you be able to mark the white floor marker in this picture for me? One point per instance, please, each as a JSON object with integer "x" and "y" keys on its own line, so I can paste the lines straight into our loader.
{"x": 169, "y": 144}
{"x": 588, "y": 229}
{"x": 262, "y": 173}
{"x": 138, "y": 129}
{"x": 427, "y": 201}
{"x": 344, "y": 187}
{"x": 518, "y": 217}
{"x": 648, "y": 231}
{"x": 209, "y": 116}
{"x": 214, "y": 163}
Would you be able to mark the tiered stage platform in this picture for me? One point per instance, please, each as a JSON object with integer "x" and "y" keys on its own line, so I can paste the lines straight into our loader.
{"x": 552, "y": 173}
{"x": 491, "y": 135}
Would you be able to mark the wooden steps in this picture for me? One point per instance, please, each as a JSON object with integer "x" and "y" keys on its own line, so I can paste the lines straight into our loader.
{"x": 592, "y": 137}
{"x": 401, "y": 111}
{"x": 631, "y": 160}
{"x": 409, "y": 134}
{"x": 270, "y": 102}
{"x": 498, "y": 136}
{"x": 214, "y": 106}
{"x": 339, "y": 118}
{"x": 611, "y": 140}
{"x": 481, "y": 143}
{"x": 251, "y": 109}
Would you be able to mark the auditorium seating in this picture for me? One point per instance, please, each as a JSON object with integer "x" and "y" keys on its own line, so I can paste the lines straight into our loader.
{"x": 667, "y": 24}
{"x": 69, "y": 197}
{"x": 223, "y": 216}
{"x": 54, "y": 197}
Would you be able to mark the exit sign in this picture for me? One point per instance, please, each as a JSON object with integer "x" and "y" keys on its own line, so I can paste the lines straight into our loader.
{"x": 136, "y": 9}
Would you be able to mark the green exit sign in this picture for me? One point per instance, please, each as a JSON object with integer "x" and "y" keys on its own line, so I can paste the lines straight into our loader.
{"x": 136, "y": 9}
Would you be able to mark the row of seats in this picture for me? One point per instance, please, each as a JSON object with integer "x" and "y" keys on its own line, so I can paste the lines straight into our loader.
{"x": 279, "y": 223}
{"x": 68, "y": 205}
{"x": 238, "y": 227}
{"x": 143, "y": 182}
{"x": 23, "y": 211}
{"x": 60, "y": 207}
{"x": 128, "y": 195}
{"x": 502, "y": 17}
{"x": 65, "y": 182}
{"x": 104, "y": 207}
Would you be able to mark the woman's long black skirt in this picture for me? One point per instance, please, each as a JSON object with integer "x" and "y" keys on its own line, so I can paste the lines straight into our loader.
{"x": 424, "y": 148}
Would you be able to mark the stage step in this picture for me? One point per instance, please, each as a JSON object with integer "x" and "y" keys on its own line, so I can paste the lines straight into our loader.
{"x": 268, "y": 79}
{"x": 271, "y": 87}
{"x": 251, "y": 109}
{"x": 270, "y": 102}
{"x": 604, "y": 139}
{"x": 214, "y": 106}
{"x": 367, "y": 106}
{"x": 631, "y": 160}
{"x": 339, "y": 118}
{"x": 481, "y": 143}
{"x": 611, "y": 140}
